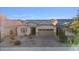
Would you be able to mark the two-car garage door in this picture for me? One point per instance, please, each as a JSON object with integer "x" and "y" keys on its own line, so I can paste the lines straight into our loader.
{"x": 45, "y": 32}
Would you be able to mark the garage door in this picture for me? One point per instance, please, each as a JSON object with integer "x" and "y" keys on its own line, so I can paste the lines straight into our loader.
{"x": 45, "y": 32}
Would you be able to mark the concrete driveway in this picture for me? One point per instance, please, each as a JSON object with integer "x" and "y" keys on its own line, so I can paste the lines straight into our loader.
{"x": 39, "y": 42}
{"x": 36, "y": 41}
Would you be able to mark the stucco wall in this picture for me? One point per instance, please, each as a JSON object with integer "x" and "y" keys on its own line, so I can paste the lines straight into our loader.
{"x": 19, "y": 33}
{"x": 6, "y": 31}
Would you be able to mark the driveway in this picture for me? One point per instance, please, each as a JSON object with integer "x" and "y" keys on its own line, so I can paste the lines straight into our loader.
{"x": 36, "y": 41}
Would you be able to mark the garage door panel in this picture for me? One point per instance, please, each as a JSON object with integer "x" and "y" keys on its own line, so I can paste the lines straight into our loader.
{"x": 45, "y": 32}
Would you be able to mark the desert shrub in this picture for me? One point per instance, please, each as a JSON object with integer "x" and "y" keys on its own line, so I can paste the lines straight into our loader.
{"x": 17, "y": 42}
{"x": 76, "y": 39}
{"x": 30, "y": 36}
{"x": 12, "y": 35}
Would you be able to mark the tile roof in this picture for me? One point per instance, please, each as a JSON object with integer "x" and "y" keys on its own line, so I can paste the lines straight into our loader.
{"x": 40, "y": 22}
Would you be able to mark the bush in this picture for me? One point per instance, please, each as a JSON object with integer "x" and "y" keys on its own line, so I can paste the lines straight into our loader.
{"x": 76, "y": 39}
{"x": 62, "y": 38}
{"x": 17, "y": 42}
{"x": 12, "y": 35}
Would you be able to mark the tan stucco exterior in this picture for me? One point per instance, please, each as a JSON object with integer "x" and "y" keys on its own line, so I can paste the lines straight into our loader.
{"x": 20, "y": 33}
{"x": 27, "y": 26}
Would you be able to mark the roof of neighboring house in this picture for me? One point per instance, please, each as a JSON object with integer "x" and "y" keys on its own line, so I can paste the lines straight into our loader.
{"x": 39, "y": 22}
{"x": 13, "y": 23}
{"x": 47, "y": 22}
{"x": 19, "y": 22}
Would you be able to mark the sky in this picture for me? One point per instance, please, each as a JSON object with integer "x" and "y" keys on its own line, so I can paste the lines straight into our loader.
{"x": 39, "y": 12}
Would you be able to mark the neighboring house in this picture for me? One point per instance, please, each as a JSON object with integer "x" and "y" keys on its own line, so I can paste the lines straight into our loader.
{"x": 2, "y": 25}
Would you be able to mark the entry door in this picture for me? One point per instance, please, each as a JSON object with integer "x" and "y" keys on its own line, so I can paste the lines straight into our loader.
{"x": 33, "y": 30}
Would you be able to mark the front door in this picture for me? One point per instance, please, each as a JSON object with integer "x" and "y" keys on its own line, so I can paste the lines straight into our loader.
{"x": 33, "y": 30}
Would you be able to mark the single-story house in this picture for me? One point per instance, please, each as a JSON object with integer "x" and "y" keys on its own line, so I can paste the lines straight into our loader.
{"x": 36, "y": 27}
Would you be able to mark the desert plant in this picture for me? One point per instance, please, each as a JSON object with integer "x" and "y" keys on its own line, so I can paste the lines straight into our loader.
{"x": 76, "y": 39}
{"x": 12, "y": 35}
{"x": 17, "y": 42}
{"x": 30, "y": 36}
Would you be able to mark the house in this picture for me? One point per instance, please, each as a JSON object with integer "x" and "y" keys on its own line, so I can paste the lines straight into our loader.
{"x": 12, "y": 25}
{"x": 37, "y": 28}
{"x": 7, "y": 25}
